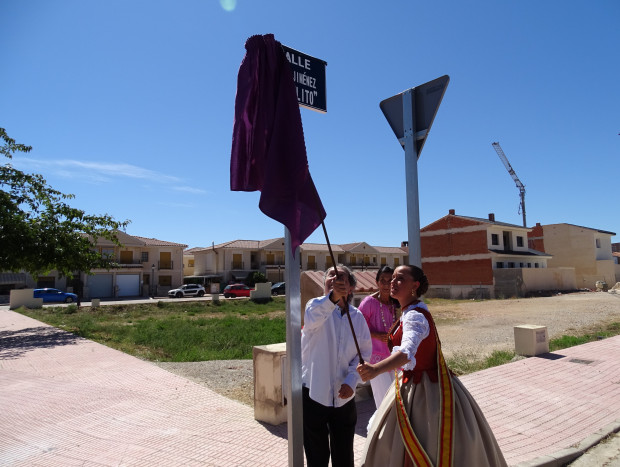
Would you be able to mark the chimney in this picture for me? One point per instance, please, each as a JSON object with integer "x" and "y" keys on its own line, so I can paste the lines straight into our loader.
{"x": 451, "y": 212}
{"x": 492, "y": 217}
{"x": 404, "y": 244}
{"x": 537, "y": 224}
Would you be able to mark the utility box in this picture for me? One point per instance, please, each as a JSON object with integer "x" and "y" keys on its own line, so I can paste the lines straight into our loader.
{"x": 269, "y": 383}
{"x": 531, "y": 340}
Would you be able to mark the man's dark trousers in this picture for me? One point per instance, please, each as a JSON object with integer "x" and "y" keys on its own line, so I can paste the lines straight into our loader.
{"x": 326, "y": 427}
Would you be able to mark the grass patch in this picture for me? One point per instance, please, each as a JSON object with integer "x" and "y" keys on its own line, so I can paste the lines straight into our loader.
{"x": 595, "y": 334}
{"x": 177, "y": 332}
{"x": 462, "y": 364}
{"x": 226, "y": 330}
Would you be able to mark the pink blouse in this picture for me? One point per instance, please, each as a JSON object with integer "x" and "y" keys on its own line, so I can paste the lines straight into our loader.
{"x": 380, "y": 318}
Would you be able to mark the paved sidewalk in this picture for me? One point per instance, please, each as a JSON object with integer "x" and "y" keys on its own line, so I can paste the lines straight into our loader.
{"x": 69, "y": 401}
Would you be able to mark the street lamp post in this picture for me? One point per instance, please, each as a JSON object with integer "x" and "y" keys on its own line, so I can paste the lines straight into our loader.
{"x": 153, "y": 281}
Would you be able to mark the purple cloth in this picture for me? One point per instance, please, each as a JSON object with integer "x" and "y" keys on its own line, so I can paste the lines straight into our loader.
{"x": 268, "y": 147}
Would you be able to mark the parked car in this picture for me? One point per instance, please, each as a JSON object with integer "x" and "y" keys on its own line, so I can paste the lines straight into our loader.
{"x": 54, "y": 295}
{"x": 236, "y": 290}
{"x": 187, "y": 290}
{"x": 279, "y": 288}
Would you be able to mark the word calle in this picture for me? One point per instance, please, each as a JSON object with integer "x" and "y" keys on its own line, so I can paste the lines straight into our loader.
{"x": 298, "y": 61}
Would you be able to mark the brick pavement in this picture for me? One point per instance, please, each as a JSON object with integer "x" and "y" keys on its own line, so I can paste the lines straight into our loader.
{"x": 69, "y": 401}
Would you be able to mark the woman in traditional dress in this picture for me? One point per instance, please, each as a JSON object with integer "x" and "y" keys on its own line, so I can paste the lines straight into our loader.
{"x": 428, "y": 418}
{"x": 380, "y": 311}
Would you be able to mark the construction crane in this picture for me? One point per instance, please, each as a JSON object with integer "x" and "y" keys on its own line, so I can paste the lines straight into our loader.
{"x": 512, "y": 173}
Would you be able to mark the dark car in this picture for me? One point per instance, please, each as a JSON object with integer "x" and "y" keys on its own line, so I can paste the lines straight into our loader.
{"x": 236, "y": 290}
{"x": 54, "y": 295}
{"x": 279, "y": 288}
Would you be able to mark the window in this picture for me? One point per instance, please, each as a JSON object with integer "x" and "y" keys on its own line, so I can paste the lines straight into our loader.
{"x": 494, "y": 239}
{"x": 311, "y": 262}
{"x": 529, "y": 265}
{"x": 499, "y": 265}
{"x": 521, "y": 265}
{"x": 511, "y": 265}
{"x": 107, "y": 252}
{"x": 535, "y": 265}
{"x": 190, "y": 263}
{"x": 519, "y": 240}
{"x": 44, "y": 282}
{"x": 165, "y": 281}
{"x": 146, "y": 279}
{"x": 383, "y": 261}
{"x": 144, "y": 258}
{"x": 598, "y": 243}
{"x": 396, "y": 263}
{"x": 126, "y": 257}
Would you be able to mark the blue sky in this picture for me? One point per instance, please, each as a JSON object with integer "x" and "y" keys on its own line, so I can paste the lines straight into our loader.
{"x": 129, "y": 106}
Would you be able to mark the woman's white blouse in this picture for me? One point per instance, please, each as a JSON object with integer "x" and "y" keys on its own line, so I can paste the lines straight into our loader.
{"x": 415, "y": 330}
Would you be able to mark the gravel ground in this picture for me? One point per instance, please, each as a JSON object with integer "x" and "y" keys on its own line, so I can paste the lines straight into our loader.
{"x": 465, "y": 328}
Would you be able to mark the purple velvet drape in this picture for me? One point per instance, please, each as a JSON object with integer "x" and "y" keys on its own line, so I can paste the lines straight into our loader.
{"x": 268, "y": 147}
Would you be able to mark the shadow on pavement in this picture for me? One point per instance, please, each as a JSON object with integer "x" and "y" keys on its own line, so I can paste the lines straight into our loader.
{"x": 14, "y": 344}
{"x": 365, "y": 409}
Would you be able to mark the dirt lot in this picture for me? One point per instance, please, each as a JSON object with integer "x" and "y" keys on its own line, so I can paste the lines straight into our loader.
{"x": 464, "y": 328}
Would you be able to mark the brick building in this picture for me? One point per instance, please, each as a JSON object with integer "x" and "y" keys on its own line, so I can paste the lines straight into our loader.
{"x": 474, "y": 257}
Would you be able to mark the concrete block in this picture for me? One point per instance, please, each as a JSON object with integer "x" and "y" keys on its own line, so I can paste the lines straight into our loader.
{"x": 261, "y": 290}
{"x": 95, "y": 302}
{"x": 269, "y": 390}
{"x": 24, "y": 297}
{"x": 531, "y": 339}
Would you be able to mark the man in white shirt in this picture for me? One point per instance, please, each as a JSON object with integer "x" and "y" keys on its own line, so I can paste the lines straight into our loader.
{"x": 328, "y": 370}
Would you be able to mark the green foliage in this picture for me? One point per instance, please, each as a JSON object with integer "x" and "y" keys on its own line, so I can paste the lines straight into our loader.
{"x": 181, "y": 332}
{"x": 256, "y": 277}
{"x": 39, "y": 231}
{"x": 262, "y": 301}
{"x": 609, "y": 330}
{"x": 465, "y": 363}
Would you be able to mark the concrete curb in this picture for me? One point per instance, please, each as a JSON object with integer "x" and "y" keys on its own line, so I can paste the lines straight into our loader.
{"x": 565, "y": 456}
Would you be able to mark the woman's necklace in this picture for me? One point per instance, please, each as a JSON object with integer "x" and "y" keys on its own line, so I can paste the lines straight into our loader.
{"x": 391, "y": 309}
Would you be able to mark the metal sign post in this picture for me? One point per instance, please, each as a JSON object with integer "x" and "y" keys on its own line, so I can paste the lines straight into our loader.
{"x": 411, "y": 114}
{"x": 411, "y": 179}
{"x": 310, "y": 84}
{"x": 293, "y": 353}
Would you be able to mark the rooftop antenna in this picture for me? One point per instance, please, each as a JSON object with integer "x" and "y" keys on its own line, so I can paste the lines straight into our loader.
{"x": 512, "y": 173}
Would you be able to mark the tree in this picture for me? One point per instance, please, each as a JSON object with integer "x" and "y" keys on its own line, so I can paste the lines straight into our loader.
{"x": 256, "y": 277}
{"x": 39, "y": 231}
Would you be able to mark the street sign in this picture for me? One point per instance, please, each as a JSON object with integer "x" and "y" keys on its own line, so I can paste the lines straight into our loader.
{"x": 425, "y": 100}
{"x": 411, "y": 114}
{"x": 309, "y": 77}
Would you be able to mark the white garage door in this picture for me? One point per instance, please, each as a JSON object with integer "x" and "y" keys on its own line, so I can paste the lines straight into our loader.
{"x": 128, "y": 285}
{"x": 100, "y": 286}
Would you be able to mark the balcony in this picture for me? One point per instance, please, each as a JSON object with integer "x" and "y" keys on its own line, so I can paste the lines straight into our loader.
{"x": 165, "y": 265}
{"x": 125, "y": 264}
